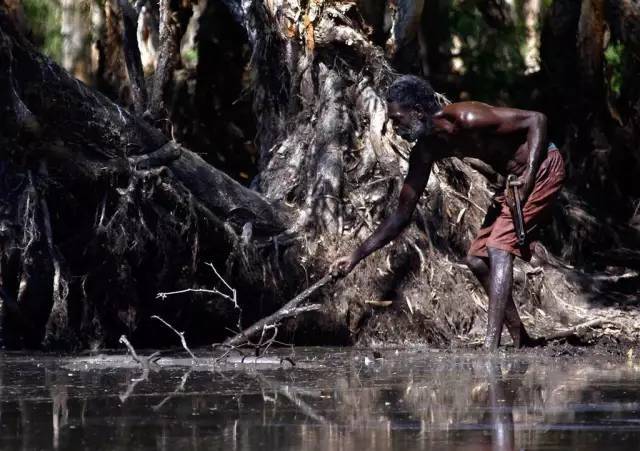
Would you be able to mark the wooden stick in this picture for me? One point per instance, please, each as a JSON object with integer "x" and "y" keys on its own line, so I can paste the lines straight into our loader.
{"x": 289, "y": 309}
{"x": 577, "y": 328}
{"x": 179, "y": 334}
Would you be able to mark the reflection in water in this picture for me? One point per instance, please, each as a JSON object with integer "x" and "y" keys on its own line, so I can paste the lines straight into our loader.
{"x": 331, "y": 400}
{"x": 501, "y": 403}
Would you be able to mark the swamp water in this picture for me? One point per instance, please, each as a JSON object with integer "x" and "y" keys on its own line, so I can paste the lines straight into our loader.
{"x": 333, "y": 399}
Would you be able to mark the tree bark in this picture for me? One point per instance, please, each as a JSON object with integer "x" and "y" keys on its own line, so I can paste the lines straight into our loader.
{"x": 76, "y": 34}
{"x": 132, "y": 55}
{"x": 590, "y": 43}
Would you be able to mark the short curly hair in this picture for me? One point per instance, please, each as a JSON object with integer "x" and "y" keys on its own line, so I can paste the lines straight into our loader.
{"x": 414, "y": 92}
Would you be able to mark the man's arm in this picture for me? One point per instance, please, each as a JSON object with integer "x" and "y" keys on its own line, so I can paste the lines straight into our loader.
{"x": 476, "y": 115}
{"x": 420, "y": 162}
{"x": 536, "y": 125}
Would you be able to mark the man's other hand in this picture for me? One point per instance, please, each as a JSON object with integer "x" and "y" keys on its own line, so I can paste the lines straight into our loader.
{"x": 343, "y": 266}
{"x": 513, "y": 183}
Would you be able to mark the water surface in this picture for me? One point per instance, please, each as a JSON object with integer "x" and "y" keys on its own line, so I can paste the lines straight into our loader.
{"x": 333, "y": 399}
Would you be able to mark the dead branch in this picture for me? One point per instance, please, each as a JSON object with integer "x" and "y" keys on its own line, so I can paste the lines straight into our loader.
{"x": 261, "y": 360}
{"x": 228, "y": 351}
{"x": 575, "y": 330}
{"x": 166, "y": 294}
{"x": 289, "y": 309}
{"x": 182, "y": 339}
{"x": 144, "y": 362}
{"x": 130, "y": 348}
{"x": 233, "y": 297}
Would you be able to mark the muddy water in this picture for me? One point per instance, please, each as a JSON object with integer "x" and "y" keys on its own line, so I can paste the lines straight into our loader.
{"x": 332, "y": 400}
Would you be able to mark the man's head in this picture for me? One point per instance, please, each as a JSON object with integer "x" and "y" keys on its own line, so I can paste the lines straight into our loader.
{"x": 411, "y": 103}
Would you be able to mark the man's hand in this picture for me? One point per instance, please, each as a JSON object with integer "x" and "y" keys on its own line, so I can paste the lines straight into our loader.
{"x": 524, "y": 187}
{"x": 512, "y": 184}
{"x": 343, "y": 266}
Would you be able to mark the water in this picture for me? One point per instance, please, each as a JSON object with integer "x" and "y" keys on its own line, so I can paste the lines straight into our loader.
{"x": 334, "y": 399}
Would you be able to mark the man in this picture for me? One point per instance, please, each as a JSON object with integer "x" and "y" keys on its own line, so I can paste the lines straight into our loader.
{"x": 509, "y": 140}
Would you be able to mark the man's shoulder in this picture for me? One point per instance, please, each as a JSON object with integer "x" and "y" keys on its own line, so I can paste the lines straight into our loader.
{"x": 473, "y": 106}
{"x": 470, "y": 115}
{"x": 457, "y": 108}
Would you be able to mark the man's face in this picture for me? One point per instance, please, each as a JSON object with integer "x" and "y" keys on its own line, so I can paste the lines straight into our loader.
{"x": 408, "y": 123}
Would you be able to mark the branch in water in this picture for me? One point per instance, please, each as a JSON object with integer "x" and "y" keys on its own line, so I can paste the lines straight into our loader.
{"x": 291, "y": 308}
{"x": 182, "y": 339}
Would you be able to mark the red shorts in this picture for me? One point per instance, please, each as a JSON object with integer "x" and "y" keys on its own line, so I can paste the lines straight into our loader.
{"x": 497, "y": 230}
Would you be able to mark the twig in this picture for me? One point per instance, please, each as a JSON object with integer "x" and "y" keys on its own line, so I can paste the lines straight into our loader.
{"x": 164, "y": 295}
{"x": 233, "y": 291}
{"x": 267, "y": 344}
{"x": 181, "y": 335}
{"x": 145, "y": 362}
{"x": 130, "y": 348}
{"x": 289, "y": 309}
{"x": 227, "y": 352}
{"x": 233, "y": 297}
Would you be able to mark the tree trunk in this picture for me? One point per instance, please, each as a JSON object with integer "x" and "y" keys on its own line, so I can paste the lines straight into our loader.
{"x": 532, "y": 9}
{"x": 76, "y": 34}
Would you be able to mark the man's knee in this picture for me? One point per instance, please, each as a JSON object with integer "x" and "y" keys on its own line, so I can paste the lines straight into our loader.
{"x": 499, "y": 256}
{"x": 477, "y": 265}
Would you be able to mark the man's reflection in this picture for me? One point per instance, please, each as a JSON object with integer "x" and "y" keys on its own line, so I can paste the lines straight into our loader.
{"x": 500, "y": 409}
{"x": 501, "y": 394}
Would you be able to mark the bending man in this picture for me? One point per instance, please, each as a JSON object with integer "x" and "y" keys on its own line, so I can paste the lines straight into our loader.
{"x": 510, "y": 141}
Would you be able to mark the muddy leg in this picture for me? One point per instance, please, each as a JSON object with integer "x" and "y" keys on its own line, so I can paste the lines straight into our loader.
{"x": 500, "y": 285}
{"x": 480, "y": 268}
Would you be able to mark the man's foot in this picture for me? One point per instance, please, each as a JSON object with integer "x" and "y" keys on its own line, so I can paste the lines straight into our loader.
{"x": 490, "y": 345}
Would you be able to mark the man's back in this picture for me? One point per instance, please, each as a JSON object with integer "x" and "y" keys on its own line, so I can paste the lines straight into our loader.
{"x": 495, "y": 135}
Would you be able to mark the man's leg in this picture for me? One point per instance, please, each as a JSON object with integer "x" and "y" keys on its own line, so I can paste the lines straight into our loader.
{"x": 500, "y": 287}
{"x": 480, "y": 268}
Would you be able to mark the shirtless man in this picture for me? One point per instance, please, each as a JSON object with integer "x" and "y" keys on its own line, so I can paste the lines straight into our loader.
{"x": 510, "y": 141}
